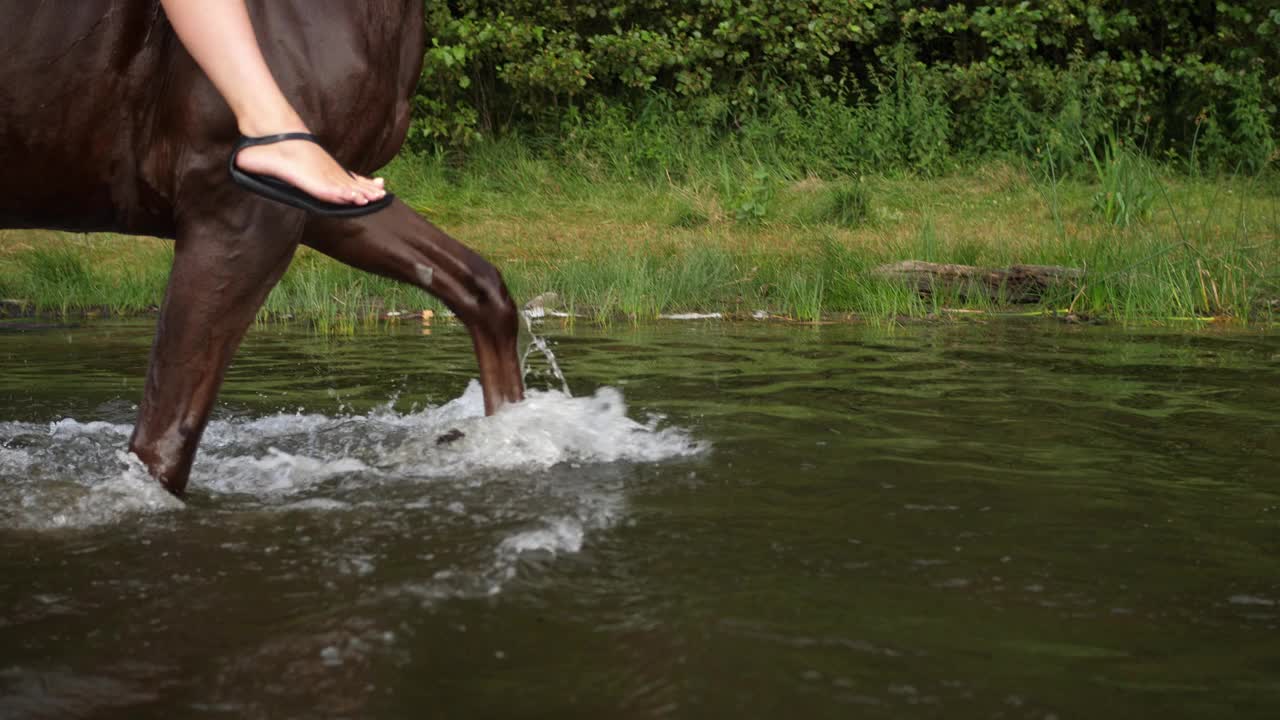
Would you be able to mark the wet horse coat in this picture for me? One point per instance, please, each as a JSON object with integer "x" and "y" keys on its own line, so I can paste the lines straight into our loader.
{"x": 107, "y": 124}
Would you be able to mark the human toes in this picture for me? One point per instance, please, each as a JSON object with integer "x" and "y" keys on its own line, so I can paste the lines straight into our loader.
{"x": 376, "y": 187}
{"x": 352, "y": 190}
{"x": 373, "y": 192}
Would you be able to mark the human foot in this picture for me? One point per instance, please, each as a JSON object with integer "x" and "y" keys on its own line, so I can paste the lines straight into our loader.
{"x": 306, "y": 166}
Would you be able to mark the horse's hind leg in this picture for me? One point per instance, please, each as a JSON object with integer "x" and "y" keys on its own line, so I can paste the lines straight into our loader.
{"x": 399, "y": 244}
{"x": 222, "y": 271}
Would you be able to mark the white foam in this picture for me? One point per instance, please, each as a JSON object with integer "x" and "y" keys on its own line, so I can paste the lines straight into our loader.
{"x": 67, "y": 427}
{"x": 561, "y": 535}
{"x": 100, "y": 501}
{"x": 317, "y": 504}
{"x": 278, "y": 473}
{"x": 68, "y": 473}
{"x": 533, "y": 481}
{"x": 554, "y": 535}
{"x": 13, "y": 461}
{"x": 547, "y": 429}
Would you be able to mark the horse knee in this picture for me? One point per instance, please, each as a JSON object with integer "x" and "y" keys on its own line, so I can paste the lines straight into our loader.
{"x": 492, "y": 305}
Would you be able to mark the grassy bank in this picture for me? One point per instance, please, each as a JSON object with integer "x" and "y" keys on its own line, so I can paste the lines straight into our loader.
{"x": 734, "y": 232}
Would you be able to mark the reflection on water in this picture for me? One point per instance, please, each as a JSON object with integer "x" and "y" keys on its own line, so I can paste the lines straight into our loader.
{"x": 1016, "y": 520}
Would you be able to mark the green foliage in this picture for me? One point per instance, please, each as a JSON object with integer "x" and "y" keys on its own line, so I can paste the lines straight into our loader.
{"x": 846, "y": 204}
{"x": 873, "y": 83}
{"x": 750, "y": 201}
{"x": 1128, "y": 186}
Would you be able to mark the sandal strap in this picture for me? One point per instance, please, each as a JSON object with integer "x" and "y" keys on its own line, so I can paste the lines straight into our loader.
{"x": 248, "y": 142}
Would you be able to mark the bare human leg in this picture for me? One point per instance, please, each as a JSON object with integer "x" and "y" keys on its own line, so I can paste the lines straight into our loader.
{"x": 220, "y": 36}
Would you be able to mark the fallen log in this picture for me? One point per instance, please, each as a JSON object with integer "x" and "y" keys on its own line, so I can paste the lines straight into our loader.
{"x": 1015, "y": 284}
{"x": 12, "y": 306}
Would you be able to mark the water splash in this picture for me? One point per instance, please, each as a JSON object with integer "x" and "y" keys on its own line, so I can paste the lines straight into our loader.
{"x": 100, "y": 496}
{"x": 70, "y": 474}
{"x": 540, "y": 344}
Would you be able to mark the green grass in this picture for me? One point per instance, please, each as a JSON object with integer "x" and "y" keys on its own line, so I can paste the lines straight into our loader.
{"x": 1128, "y": 188}
{"x": 68, "y": 274}
{"x": 846, "y": 204}
{"x": 692, "y": 226}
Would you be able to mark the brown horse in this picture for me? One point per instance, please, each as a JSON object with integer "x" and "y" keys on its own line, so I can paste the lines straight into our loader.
{"x": 107, "y": 124}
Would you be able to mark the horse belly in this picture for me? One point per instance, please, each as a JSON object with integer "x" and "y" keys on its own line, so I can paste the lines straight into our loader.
{"x": 70, "y": 106}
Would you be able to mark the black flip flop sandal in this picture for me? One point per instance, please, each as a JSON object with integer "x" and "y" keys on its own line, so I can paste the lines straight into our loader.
{"x": 276, "y": 189}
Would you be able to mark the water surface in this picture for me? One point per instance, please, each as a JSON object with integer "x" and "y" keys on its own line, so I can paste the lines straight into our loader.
{"x": 1014, "y": 520}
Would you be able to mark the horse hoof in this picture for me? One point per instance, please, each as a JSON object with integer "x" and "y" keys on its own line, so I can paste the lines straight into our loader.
{"x": 451, "y": 436}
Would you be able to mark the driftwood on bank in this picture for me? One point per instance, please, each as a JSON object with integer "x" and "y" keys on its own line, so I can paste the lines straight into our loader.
{"x": 1015, "y": 284}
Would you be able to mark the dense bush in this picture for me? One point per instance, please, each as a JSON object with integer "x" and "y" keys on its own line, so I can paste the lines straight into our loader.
{"x": 1195, "y": 79}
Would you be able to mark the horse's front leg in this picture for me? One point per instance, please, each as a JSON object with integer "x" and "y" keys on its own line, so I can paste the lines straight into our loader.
{"x": 399, "y": 244}
{"x": 224, "y": 265}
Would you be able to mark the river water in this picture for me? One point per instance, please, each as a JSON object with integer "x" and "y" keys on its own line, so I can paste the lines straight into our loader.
{"x": 1013, "y": 520}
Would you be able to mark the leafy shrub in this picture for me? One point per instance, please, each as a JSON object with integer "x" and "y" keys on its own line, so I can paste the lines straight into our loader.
{"x": 750, "y": 201}
{"x": 879, "y": 82}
